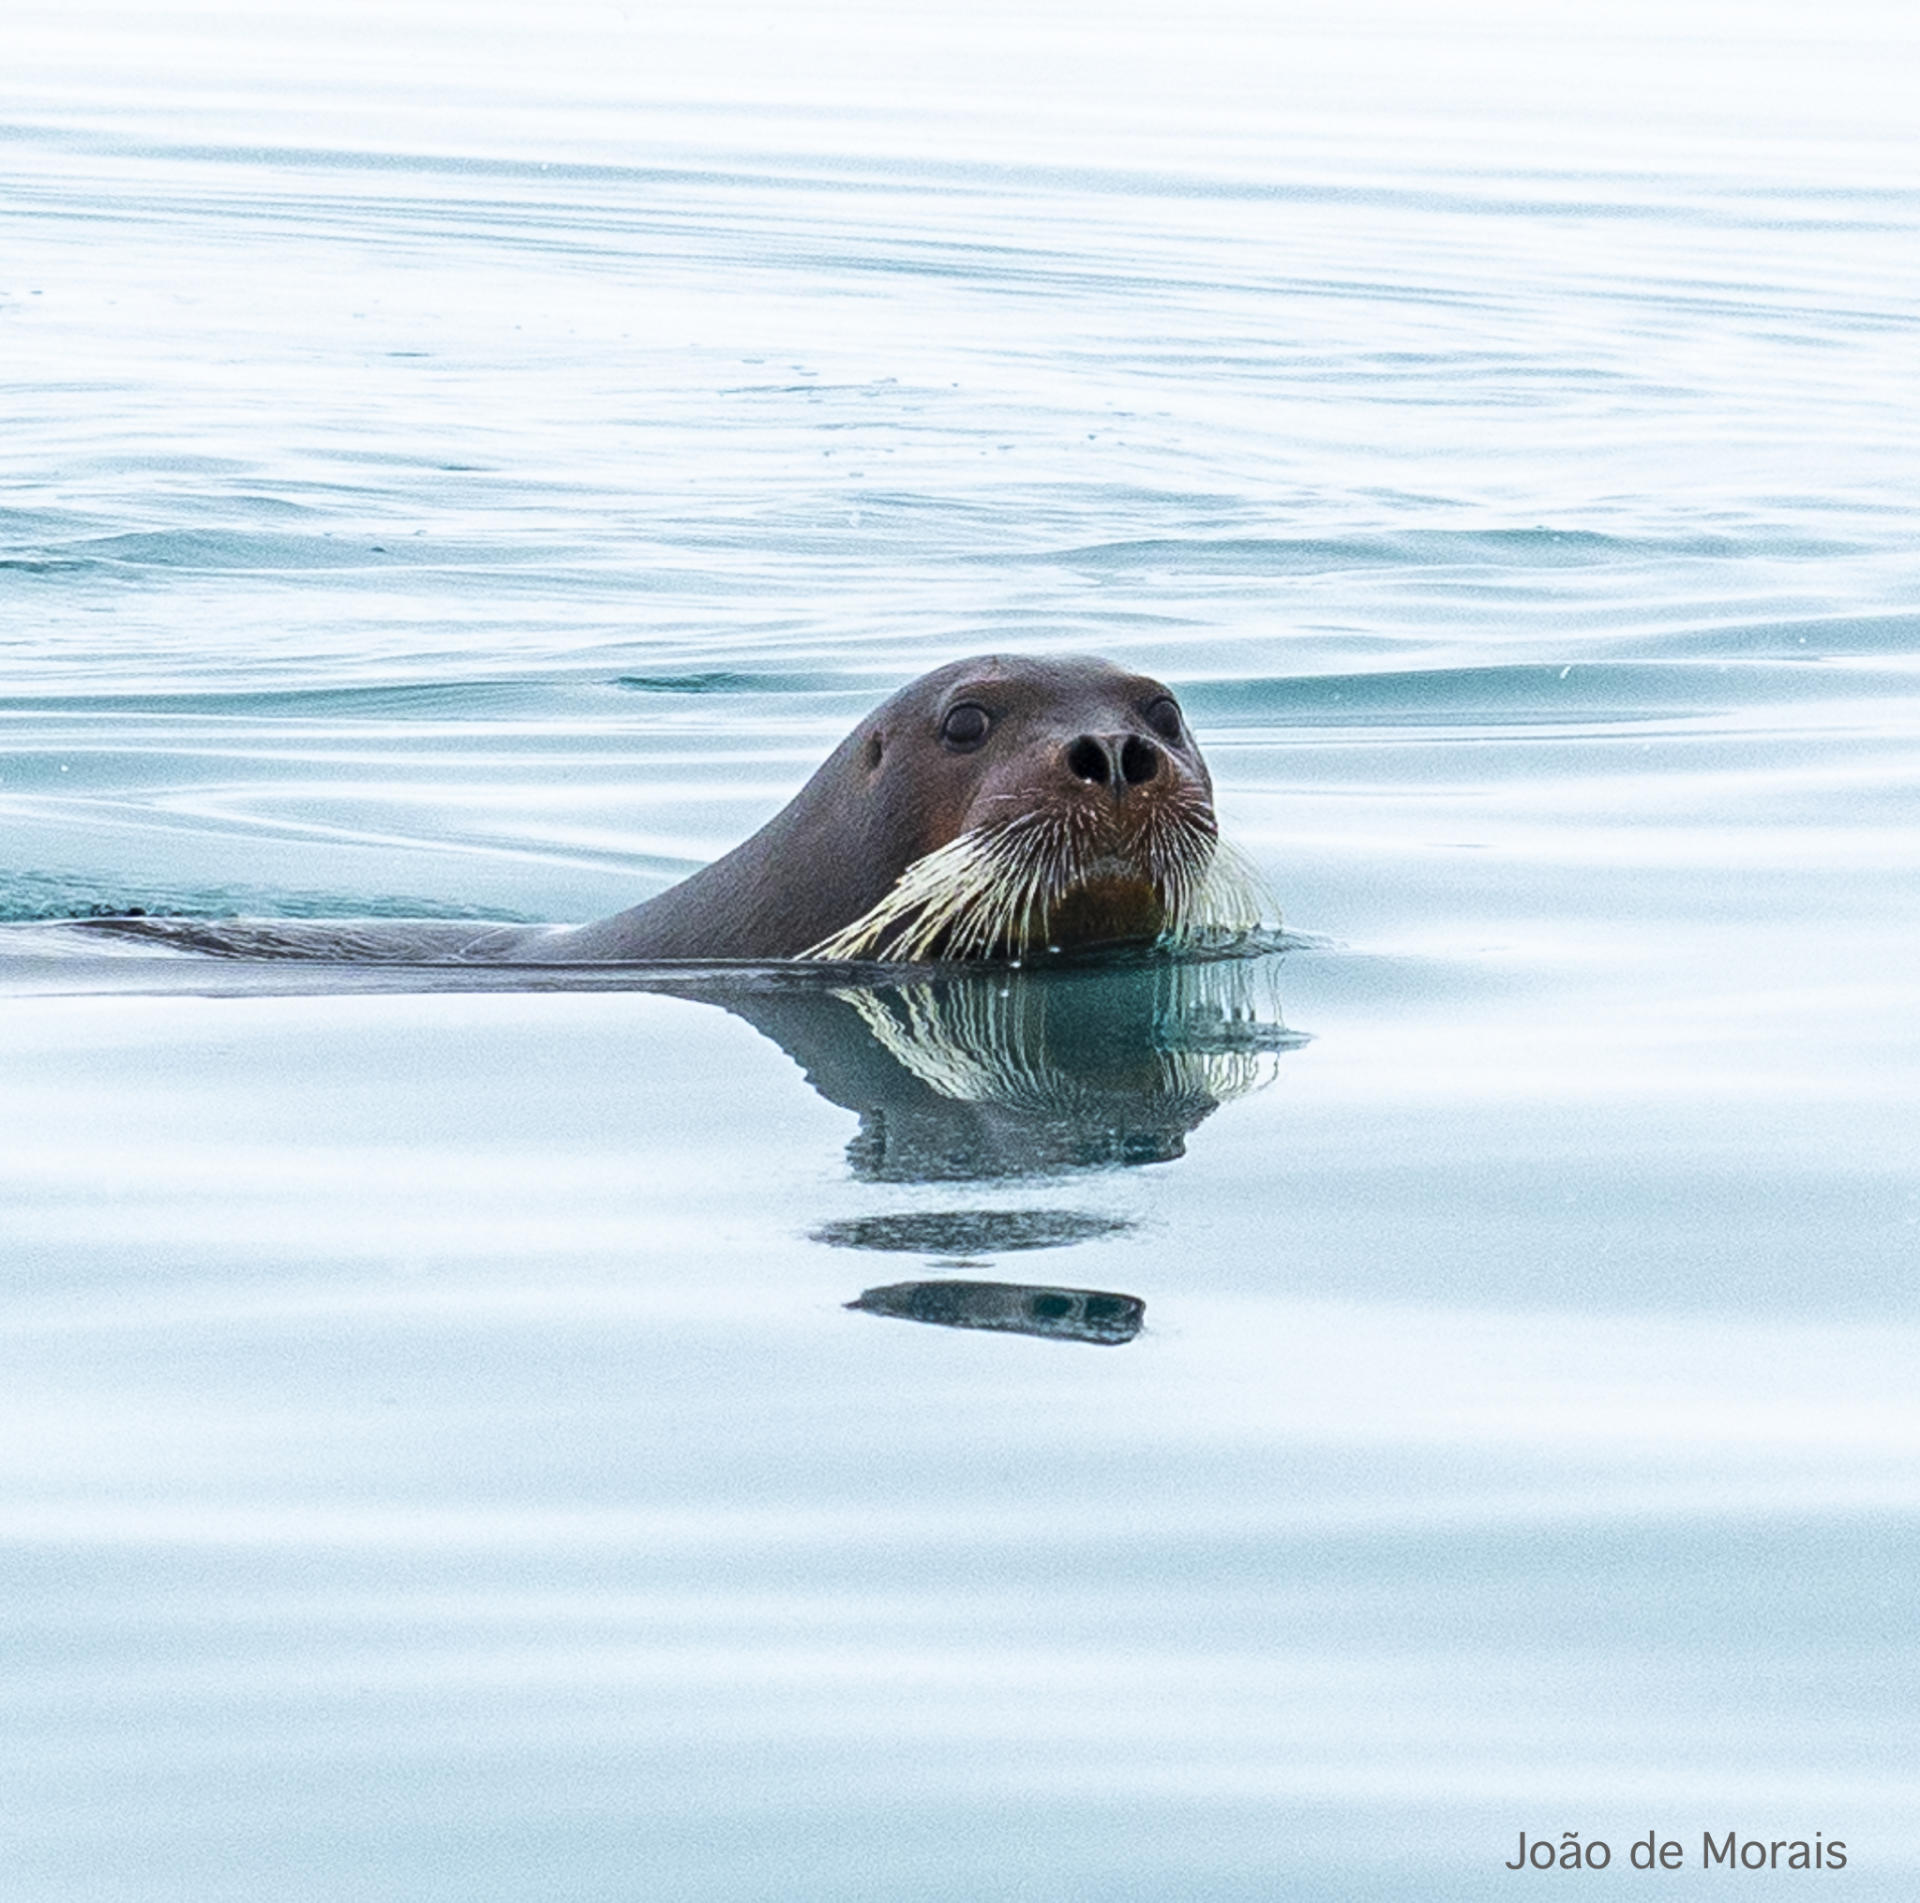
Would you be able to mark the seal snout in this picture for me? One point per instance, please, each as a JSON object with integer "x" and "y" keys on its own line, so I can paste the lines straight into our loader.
{"x": 1115, "y": 760}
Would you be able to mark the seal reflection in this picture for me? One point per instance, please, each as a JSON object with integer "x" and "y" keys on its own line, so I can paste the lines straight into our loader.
{"x": 1016, "y": 1074}
{"x": 970, "y": 1232}
{"x": 1099, "y": 1316}
{"x": 998, "y": 1075}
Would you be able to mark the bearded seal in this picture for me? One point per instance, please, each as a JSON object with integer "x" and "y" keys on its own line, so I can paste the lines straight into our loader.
{"x": 995, "y": 809}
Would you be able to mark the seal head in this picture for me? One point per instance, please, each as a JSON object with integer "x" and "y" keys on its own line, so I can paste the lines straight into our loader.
{"x": 997, "y": 807}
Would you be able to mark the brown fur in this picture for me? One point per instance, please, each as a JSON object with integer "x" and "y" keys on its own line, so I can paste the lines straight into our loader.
{"x": 893, "y": 792}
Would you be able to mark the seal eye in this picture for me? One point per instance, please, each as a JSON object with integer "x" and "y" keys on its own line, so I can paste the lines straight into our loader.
{"x": 1163, "y": 716}
{"x": 965, "y": 726}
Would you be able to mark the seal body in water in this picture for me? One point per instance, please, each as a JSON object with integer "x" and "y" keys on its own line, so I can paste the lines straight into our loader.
{"x": 995, "y": 808}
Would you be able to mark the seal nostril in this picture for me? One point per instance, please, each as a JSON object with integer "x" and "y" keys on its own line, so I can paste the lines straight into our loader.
{"x": 1139, "y": 760}
{"x": 1087, "y": 760}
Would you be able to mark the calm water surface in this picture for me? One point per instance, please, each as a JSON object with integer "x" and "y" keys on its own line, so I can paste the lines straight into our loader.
{"x": 1314, "y": 1419}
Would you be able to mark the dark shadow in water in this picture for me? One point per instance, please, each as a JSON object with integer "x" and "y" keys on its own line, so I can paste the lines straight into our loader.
{"x": 1100, "y": 1316}
{"x": 970, "y": 1232}
{"x": 958, "y": 1075}
{"x": 977, "y": 1075}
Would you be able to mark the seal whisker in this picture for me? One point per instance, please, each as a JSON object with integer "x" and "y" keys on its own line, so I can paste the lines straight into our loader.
{"x": 995, "y": 889}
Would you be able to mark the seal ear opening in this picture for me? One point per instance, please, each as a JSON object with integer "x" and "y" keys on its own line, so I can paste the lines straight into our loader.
{"x": 876, "y": 746}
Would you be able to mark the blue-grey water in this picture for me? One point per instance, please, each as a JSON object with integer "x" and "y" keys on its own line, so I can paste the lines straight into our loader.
{"x": 475, "y": 461}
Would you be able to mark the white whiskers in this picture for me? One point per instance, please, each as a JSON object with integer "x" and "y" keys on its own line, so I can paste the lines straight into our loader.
{"x": 979, "y": 1041}
{"x": 993, "y": 891}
